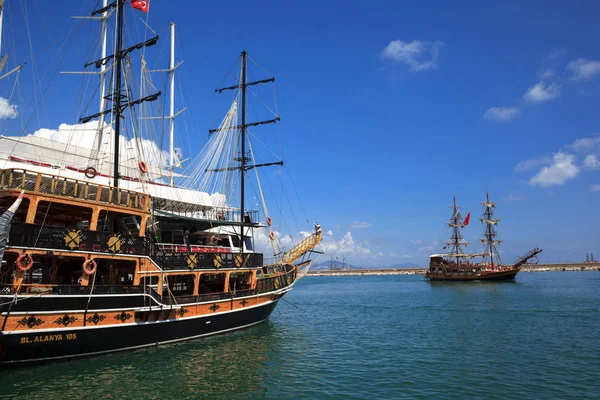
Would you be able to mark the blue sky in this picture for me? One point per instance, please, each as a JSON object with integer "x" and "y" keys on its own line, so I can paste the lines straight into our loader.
{"x": 388, "y": 110}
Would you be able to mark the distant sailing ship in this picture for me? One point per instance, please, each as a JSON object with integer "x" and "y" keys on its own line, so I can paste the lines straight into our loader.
{"x": 102, "y": 258}
{"x": 459, "y": 266}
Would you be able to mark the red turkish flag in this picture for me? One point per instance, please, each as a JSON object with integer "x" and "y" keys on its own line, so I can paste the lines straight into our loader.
{"x": 142, "y": 5}
{"x": 467, "y": 218}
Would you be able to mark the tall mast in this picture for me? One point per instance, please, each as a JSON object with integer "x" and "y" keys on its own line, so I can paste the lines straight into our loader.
{"x": 1, "y": 17}
{"x": 243, "y": 84}
{"x": 456, "y": 239}
{"x": 102, "y": 73}
{"x": 172, "y": 104}
{"x": 489, "y": 240}
{"x": 489, "y": 228}
{"x": 120, "y": 101}
{"x": 117, "y": 91}
{"x": 243, "y": 160}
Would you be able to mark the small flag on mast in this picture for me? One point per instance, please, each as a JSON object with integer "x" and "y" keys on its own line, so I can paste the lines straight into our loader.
{"x": 467, "y": 218}
{"x": 142, "y": 5}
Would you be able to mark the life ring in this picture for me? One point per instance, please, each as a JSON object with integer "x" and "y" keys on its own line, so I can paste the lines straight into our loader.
{"x": 24, "y": 262}
{"x": 90, "y": 172}
{"x": 214, "y": 240}
{"x": 86, "y": 269}
{"x": 269, "y": 221}
{"x": 142, "y": 167}
{"x": 220, "y": 216}
{"x": 142, "y": 202}
{"x": 272, "y": 235}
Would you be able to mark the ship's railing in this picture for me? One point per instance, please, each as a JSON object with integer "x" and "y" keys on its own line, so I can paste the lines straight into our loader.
{"x": 123, "y": 289}
{"x": 269, "y": 284}
{"x": 171, "y": 260}
{"x": 201, "y": 298}
{"x": 58, "y": 238}
{"x": 70, "y": 289}
{"x": 189, "y": 210}
{"x": 47, "y": 184}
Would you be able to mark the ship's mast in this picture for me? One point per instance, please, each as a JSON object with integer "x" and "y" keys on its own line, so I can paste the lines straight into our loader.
{"x": 120, "y": 101}
{"x": 243, "y": 159}
{"x": 456, "y": 240}
{"x": 489, "y": 239}
{"x": 117, "y": 91}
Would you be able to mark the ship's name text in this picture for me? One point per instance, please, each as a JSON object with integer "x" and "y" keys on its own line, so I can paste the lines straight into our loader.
{"x": 48, "y": 338}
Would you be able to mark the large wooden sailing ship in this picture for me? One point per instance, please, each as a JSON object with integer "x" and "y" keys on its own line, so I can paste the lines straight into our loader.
{"x": 456, "y": 265}
{"x": 93, "y": 265}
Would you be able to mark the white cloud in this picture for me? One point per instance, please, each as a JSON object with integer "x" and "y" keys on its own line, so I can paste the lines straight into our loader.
{"x": 583, "y": 69}
{"x": 83, "y": 135}
{"x": 512, "y": 196}
{"x": 585, "y": 145}
{"x": 546, "y": 73}
{"x": 345, "y": 245}
{"x": 428, "y": 248}
{"x": 541, "y": 92}
{"x": 360, "y": 224}
{"x": 329, "y": 233}
{"x": 418, "y": 55}
{"x": 591, "y": 161}
{"x": 501, "y": 113}
{"x": 562, "y": 169}
{"x": 547, "y": 70}
{"x": 594, "y": 188}
{"x": 533, "y": 163}
{"x": 7, "y": 110}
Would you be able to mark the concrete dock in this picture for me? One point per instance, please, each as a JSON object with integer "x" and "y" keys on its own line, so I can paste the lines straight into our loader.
{"x": 587, "y": 266}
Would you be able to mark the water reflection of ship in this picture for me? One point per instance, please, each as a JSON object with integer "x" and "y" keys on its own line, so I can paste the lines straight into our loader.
{"x": 216, "y": 367}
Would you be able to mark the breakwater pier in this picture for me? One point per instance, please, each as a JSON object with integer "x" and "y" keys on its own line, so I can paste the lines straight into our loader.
{"x": 585, "y": 266}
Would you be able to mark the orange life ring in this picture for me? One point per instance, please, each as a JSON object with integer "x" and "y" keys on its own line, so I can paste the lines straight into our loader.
{"x": 24, "y": 265}
{"x": 142, "y": 202}
{"x": 214, "y": 240}
{"x": 89, "y": 271}
{"x": 272, "y": 235}
{"x": 269, "y": 221}
{"x": 142, "y": 167}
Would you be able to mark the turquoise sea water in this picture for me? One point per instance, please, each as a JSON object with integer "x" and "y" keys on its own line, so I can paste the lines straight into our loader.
{"x": 375, "y": 337}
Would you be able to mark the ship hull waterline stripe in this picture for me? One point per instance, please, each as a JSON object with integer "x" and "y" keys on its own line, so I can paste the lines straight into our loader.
{"x": 93, "y": 307}
{"x": 89, "y": 326}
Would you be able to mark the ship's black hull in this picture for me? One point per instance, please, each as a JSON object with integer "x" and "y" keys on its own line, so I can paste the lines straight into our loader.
{"x": 32, "y": 346}
{"x": 482, "y": 276}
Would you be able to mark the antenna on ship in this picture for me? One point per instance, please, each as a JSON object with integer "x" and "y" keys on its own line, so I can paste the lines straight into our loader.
{"x": 119, "y": 99}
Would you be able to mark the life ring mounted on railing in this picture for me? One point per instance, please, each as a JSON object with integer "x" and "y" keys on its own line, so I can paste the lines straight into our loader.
{"x": 272, "y": 235}
{"x": 24, "y": 262}
{"x": 220, "y": 216}
{"x": 90, "y": 172}
{"x": 142, "y": 166}
{"x": 214, "y": 240}
{"x": 269, "y": 221}
{"x": 86, "y": 266}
